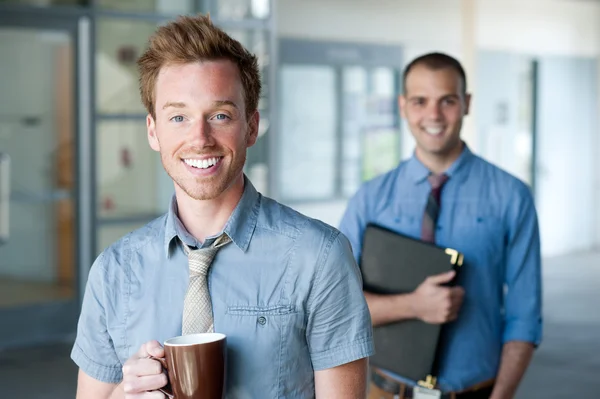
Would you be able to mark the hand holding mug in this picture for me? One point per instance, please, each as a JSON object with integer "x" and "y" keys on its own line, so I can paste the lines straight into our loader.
{"x": 144, "y": 375}
{"x": 195, "y": 365}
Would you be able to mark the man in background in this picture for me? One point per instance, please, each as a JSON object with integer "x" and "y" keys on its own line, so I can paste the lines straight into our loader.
{"x": 449, "y": 196}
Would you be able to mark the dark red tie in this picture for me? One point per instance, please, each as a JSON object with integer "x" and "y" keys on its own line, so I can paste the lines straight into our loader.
{"x": 432, "y": 209}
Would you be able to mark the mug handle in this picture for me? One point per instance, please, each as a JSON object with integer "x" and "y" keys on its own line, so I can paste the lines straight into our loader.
{"x": 167, "y": 389}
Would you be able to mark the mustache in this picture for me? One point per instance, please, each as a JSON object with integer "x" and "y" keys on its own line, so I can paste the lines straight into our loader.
{"x": 197, "y": 151}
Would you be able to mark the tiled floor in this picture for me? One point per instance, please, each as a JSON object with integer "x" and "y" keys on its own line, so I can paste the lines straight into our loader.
{"x": 567, "y": 364}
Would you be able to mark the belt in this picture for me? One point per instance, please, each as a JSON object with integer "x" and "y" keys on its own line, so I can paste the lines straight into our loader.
{"x": 390, "y": 385}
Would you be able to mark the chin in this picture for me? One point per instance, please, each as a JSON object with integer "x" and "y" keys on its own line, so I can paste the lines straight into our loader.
{"x": 203, "y": 193}
{"x": 201, "y": 189}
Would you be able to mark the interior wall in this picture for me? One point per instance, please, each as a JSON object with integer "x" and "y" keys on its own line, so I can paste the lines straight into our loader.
{"x": 543, "y": 27}
{"x": 418, "y": 22}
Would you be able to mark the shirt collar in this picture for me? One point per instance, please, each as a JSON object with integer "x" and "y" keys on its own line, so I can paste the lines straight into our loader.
{"x": 239, "y": 227}
{"x": 419, "y": 172}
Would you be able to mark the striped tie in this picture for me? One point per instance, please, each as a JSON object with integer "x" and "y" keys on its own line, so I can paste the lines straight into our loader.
{"x": 432, "y": 209}
{"x": 197, "y": 307}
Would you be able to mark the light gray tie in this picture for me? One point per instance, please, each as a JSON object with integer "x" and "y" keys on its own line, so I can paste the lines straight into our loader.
{"x": 197, "y": 307}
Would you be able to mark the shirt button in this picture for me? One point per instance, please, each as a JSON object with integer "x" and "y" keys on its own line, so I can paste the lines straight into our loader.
{"x": 262, "y": 320}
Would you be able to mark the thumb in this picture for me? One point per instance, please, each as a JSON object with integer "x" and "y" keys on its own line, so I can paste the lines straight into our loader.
{"x": 152, "y": 348}
{"x": 441, "y": 278}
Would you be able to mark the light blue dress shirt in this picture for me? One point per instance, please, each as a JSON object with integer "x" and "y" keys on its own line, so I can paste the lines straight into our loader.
{"x": 490, "y": 217}
{"x": 287, "y": 293}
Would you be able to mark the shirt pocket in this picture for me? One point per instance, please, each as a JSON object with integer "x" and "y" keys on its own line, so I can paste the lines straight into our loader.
{"x": 262, "y": 342}
{"x": 260, "y": 311}
{"x": 482, "y": 227}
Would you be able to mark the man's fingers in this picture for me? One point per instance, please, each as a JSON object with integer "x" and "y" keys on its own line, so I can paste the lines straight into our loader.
{"x": 145, "y": 383}
{"x": 153, "y": 348}
{"x": 143, "y": 351}
{"x": 142, "y": 367}
{"x": 441, "y": 278}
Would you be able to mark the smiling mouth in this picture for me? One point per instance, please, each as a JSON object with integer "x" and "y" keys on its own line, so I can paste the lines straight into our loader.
{"x": 203, "y": 163}
{"x": 434, "y": 131}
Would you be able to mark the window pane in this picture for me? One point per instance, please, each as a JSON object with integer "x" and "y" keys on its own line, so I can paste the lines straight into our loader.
{"x": 120, "y": 43}
{"x": 381, "y": 134}
{"x": 355, "y": 89}
{"x": 131, "y": 179}
{"x": 158, "y": 6}
{"x": 308, "y": 133}
{"x": 243, "y": 9}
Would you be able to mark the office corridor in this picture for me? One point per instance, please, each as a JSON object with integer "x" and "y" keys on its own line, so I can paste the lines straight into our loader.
{"x": 567, "y": 364}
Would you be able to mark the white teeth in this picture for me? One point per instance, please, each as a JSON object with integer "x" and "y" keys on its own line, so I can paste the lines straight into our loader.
{"x": 201, "y": 163}
{"x": 434, "y": 131}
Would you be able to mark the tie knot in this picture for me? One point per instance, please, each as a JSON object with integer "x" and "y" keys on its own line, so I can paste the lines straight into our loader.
{"x": 201, "y": 259}
{"x": 437, "y": 181}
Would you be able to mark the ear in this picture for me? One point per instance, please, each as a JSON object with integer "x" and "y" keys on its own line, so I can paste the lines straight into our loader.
{"x": 467, "y": 103}
{"x": 252, "y": 134}
{"x": 402, "y": 105}
{"x": 151, "y": 129}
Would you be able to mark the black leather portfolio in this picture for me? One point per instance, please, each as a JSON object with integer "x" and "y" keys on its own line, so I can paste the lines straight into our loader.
{"x": 392, "y": 263}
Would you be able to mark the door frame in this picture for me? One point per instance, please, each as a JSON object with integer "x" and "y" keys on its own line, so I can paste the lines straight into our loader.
{"x": 57, "y": 320}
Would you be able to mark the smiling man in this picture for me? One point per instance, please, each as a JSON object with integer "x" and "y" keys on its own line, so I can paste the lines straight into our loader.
{"x": 284, "y": 288}
{"x": 444, "y": 194}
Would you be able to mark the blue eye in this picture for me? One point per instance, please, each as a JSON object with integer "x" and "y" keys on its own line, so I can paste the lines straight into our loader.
{"x": 177, "y": 118}
{"x": 221, "y": 117}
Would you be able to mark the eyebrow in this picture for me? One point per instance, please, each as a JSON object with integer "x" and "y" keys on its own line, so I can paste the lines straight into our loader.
{"x": 219, "y": 103}
{"x": 174, "y": 105}
{"x": 419, "y": 97}
{"x": 226, "y": 102}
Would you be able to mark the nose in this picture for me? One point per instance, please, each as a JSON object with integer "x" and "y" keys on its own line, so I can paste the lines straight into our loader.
{"x": 434, "y": 111}
{"x": 201, "y": 134}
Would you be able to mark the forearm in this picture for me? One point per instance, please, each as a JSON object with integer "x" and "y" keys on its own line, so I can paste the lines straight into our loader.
{"x": 386, "y": 309}
{"x": 348, "y": 381}
{"x": 516, "y": 356}
{"x": 90, "y": 388}
{"x": 118, "y": 392}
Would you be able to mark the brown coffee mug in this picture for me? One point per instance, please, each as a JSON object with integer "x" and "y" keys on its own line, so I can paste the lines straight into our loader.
{"x": 195, "y": 365}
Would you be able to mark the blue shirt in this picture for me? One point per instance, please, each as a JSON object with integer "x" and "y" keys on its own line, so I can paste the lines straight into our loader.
{"x": 490, "y": 217}
{"x": 287, "y": 293}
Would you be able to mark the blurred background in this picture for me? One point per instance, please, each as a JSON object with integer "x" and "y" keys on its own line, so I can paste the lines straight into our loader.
{"x": 81, "y": 174}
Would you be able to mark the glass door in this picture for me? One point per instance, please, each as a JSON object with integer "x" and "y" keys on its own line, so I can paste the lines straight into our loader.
{"x": 39, "y": 288}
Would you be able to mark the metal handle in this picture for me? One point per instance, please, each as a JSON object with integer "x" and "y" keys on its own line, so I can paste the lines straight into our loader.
{"x": 4, "y": 197}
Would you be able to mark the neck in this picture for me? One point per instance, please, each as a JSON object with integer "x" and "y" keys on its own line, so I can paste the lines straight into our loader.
{"x": 438, "y": 163}
{"x": 205, "y": 218}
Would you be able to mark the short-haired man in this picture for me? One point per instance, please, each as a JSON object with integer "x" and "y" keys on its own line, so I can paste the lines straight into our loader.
{"x": 447, "y": 195}
{"x": 284, "y": 288}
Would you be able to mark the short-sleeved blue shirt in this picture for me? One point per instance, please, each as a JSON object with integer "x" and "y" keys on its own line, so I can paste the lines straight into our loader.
{"x": 287, "y": 293}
